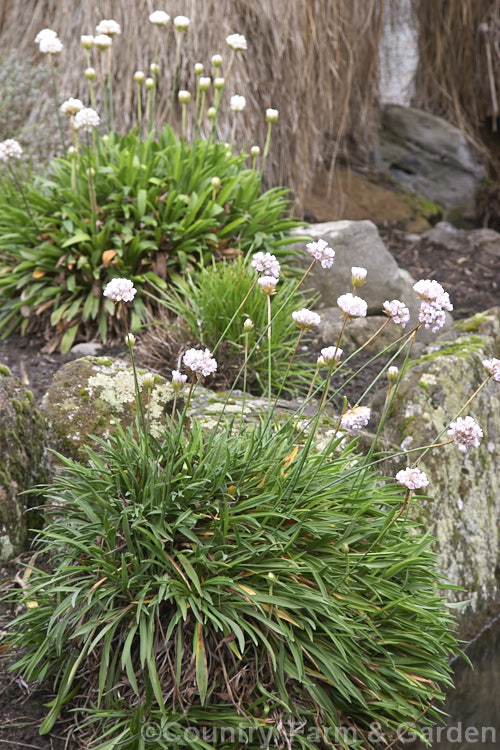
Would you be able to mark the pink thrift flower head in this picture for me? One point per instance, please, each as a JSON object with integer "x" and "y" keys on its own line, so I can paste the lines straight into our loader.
{"x": 178, "y": 380}
{"x": 431, "y": 291}
{"x": 465, "y": 433}
{"x": 492, "y": 367}
{"x": 355, "y": 418}
{"x": 431, "y": 316}
{"x": 268, "y": 284}
{"x": 120, "y": 290}
{"x": 397, "y": 311}
{"x": 306, "y": 319}
{"x": 392, "y": 373}
{"x": 321, "y": 252}
{"x": 352, "y": 306}
{"x": 200, "y": 362}
{"x": 266, "y": 263}
{"x": 358, "y": 276}
{"x": 412, "y": 479}
{"x": 329, "y": 355}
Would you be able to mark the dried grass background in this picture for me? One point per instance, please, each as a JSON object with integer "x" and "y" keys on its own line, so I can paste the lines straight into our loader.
{"x": 314, "y": 60}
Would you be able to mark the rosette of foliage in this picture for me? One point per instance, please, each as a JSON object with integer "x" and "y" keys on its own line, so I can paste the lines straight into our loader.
{"x": 123, "y": 207}
{"x": 231, "y": 580}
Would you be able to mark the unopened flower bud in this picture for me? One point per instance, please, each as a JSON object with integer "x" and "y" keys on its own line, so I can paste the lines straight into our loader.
{"x": 184, "y": 96}
{"x": 181, "y": 23}
{"x": 358, "y": 276}
{"x": 130, "y": 339}
{"x": 344, "y": 547}
{"x": 272, "y": 115}
{"x": 204, "y": 83}
{"x": 198, "y": 69}
{"x": 149, "y": 83}
{"x": 148, "y": 381}
{"x": 154, "y": 68}
{"x": 216, "y": 61}
{"x": 248, "y": 325}
{"x": 90, "y": 74}
{"x": 215, "y": 182}
{"x": 255, "y": 151}
{"x": 91, "y": 172}
{"x": 139, "y": 76}
{"x": 392, "y": 373}
{"x": 87, "y": 41}
{"x": 211, "y": 113}
{"x": 219, "y": 83}
{"x": 72, "y": 152}
{"x": 178, "y": 380}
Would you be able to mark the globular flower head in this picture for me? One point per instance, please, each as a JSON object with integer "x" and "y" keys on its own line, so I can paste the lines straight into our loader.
{"x": 306, "y": 319}
{"x": 120, "y": 290}
{"x": 219, "y": 83}
{"x": 321, "y": 252}
{"x": 45, "y": 33}
{"x": 90, "y": 74}
{"x": 255, "y": 151}
{"x": 211, "y": 112}
{"x": 397, "y": 311}
{"x": 412, "y": 479}
{"x": 86, "y": 119}
{"x": 266, "y": 263}
{"x": 237, "y": 42}
{"x": 216, "y": 182}
{"x": 200, "y": 362}
{"x": 431, "y": 291}
{"x": 87, "y": 41}
{"x": 130, "y": 339}
{"x": 330, "y": 355}
{"x": 492, "y": 367}
{"x": 248, "y": 325}
{"x": 9, "y": 150}
{"x": 237, "y": 103}
{"x": 431, "y": 316}
{"x": 272, "y": 115}
{"x": 50, "y": 45}
{"x": 179, "y": 379}
{"x": 159, "y": 18}
{"x": 139, "y": 76}
{"x": 198, "y": 69}
{"x": 392, "y": 373}
{"x": 109, "y": 27}
{"x": 204, "y": 83}
{"x": 358, "y": 276}
{"x": 71, "y": 106}
{"x": 216, "y": 61}
{"x": 103, "y": 41}
{"x": 268, "y": 284}
{"x": 465, "y": 433}
{"x": 149, "y": 83}
{"x": 181, "y": 23}
{"x": 352, "y": 306}
{"x": 184, "y": 96}
{"x": 154, "y": 68}
{"x": 355, "y": 418}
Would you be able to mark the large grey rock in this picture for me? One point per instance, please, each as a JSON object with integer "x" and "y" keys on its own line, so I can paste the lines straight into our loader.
{"x": 23, "y": 463}
{"x": 430, "y": 156}
{"x": 463, "y": 505}
{"x": 358, "y": 243}
{"x": 481, "y": 245}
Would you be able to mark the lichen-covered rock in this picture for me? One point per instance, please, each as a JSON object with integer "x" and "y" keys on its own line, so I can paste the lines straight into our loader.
{"x": 92, "y": 395}
{"x": 23, "y": 463}
{"x": 463, "y": 505}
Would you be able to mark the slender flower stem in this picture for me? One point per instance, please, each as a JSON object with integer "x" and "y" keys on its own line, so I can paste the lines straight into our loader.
{"x": 139, "y": 110}
{"x": 110, "y": 90}
{"x": 58, "y": 113}
{"x": 184, "y": 120}
{"x": 20, "y": 188}
{"x": 178, "y": 45}
{"x": 92, "y": 200}
{"x": 269, "y": 348}
{"x": 305, "y": 275}
{"x": 226, "y": 329}
{"x": 266, "y": 147}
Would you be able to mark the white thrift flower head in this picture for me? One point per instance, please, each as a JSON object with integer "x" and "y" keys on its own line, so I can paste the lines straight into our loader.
{"x": 412, "y": 479}
{"x": 198, "y": 69}
{"x": 329, "y": 356}
{"x": 50, "y": 45}
{"x": 71, "y": 106}
{"x": 184, "y": 96}
{"x": 86, "y": 119}
{"x": 211, "y": 112}
{"x": 87, "y": 41}
{"x": 358, "y": 276}
{"x": 159, "y": 18}
{"x": 90, "y": 74}
{"x": 492, "y": 367}
{"x": 178, "y": 380}
{"x": 149, "y": 83}
{"x": 120, "y": 290}
{"x": 237, "y": 103}
{"x": 255, "y": 151}
{"x": 219, "y": 83}
{"x": 272, "y": 115}
{"x": 355, "y": 418}
{"x": 431, "y": 291}
{"x": 397, "y": 311}
{"x": 392, "y": 373}
{"x": 216, "y": 182}
{"x": 200, "y": 362}
{"x": 268, "y": 284}
{"x": 130, "y": 339}
{"x": 248, "y": 325}
{"x": 204, "y": 83}
{"x": 109, "y": 27}
{"x": 431, "y": 316}
{"x": 45, "y": 33}
{"x": 352, "y": 306}
{"x": 216, "y": 61}
{"x": 321, "y": 252}
{"x": 154, "y": 68}
{"x": 306, "y": 319}
{"x": 465, "y": 433}
{"x": 266, "y": 263}
{"x": 181, "y": 23}
{"x": 9, "y": 150}
{"x": 139, "y": 76}
{"x": 103, "y": 41}
{"x": 236, "y": 42}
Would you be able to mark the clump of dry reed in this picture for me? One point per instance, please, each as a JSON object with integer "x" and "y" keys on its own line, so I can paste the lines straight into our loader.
{"x": 315, "y": 61}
